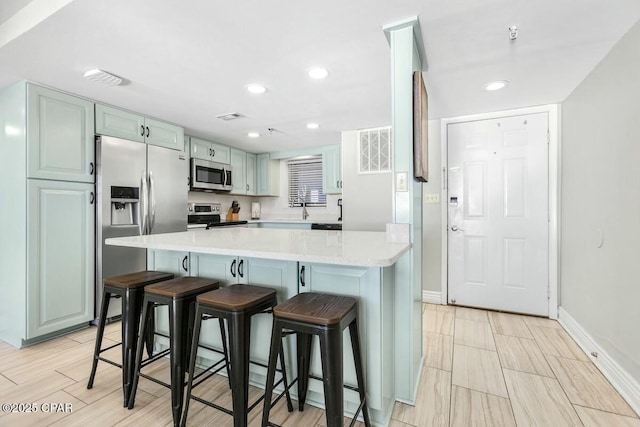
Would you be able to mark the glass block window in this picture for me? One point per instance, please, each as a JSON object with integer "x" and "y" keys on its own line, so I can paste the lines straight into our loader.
{"x": 374, "y": 150}
{"x": 305, "y": 181}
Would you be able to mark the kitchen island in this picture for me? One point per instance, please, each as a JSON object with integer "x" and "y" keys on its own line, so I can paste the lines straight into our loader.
{"x": 354, "y": 263}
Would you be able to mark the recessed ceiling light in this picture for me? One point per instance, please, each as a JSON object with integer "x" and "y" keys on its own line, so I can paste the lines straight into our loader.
{"x": 253, "y": 134}
{"x": 497, "y": 85}
{"x": 100, "y": 76}
{"x": 256, "y": 88}
{"x": 312, "y": 126}
{"x": 318, "y": 73}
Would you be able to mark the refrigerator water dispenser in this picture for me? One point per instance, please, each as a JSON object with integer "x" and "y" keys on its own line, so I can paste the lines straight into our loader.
{"x": 124, "y": 205}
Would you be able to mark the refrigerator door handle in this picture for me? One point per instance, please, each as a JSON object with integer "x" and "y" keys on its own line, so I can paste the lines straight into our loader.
{"x": 142, "y": 205}
{"x": 152, "y": 202}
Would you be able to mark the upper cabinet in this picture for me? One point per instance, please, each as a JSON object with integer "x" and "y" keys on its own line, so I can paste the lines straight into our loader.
{"x": 123, "y": 124}
{"x": 332, "y": 169}
{"x": 243, "y": 175}
{"x": 206, "y": 150}
{"x": 60, "y": 136}
{"x": 268, "y": 175}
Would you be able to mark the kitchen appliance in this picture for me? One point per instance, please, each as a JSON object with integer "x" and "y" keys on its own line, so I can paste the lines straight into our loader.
{"x": 329, "y": 226}
{"x": 210, "y": 176}
{"x": 141, "y": 189}
{"x": 209, "y": 214}
{"x": 255, "y": 210}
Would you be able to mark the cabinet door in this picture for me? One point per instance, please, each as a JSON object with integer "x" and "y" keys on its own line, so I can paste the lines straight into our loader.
{"x": 366, "y": 285}
{"x": 281, "y": 276}
{"x": 175, "y": 262}
{"x": 251, "y": 174}
{"x": 164, "y": 134}
{"x": 239, "y": 166}
{"x": 60, "y": 262}
{"x": 267, "y": 175}
{"x": 220, "y": 153}
{"x": 200, "y": 149}
{"x": 219, "y": 267}
{"x": 332, "y": 169}
{"x": 60, "y": 136}
{"x": 120, "y": 124}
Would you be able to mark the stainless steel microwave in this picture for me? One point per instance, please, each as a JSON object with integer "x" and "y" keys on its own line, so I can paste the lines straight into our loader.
{"x": 210, "y": 176}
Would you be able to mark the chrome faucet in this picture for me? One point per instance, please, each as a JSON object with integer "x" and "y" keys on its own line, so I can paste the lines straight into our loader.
{"x": 302, "y": 199}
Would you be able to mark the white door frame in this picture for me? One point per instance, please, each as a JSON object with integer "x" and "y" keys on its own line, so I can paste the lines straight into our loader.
{"x": 553, "y": 111}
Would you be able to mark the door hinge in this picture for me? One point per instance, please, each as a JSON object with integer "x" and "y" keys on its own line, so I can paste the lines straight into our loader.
{"x": 548, "y": 137}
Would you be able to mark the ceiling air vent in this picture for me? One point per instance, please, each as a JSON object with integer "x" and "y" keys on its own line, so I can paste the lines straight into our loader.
{"x": 230, "y": 116}
{"x": 100, "y": 76}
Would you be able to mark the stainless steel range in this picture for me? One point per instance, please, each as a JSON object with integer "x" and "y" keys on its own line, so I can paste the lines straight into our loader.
{"x": 208, "y": 214}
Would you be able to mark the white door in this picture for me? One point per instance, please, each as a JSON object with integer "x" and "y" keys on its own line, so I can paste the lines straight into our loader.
{"x": 498, "y": 214}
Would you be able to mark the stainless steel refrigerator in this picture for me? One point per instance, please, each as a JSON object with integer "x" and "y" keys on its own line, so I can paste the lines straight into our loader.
{"x": 141, "y": 189}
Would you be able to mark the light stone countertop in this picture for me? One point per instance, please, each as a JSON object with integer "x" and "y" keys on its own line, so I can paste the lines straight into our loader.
{"x": 356, "y": 248}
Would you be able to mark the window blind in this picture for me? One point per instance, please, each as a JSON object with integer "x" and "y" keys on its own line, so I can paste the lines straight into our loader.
{"x": 306, "y": 175}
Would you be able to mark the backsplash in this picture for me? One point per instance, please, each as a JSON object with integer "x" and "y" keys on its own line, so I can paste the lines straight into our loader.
{"x": 225, "y": 200}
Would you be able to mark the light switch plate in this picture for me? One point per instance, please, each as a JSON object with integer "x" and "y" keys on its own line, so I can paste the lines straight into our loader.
{"x": 402, "y": 181}
{"x": 432, "y": 198}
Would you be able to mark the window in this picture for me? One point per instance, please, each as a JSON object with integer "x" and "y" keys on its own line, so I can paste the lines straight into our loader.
{"x": 305, "y": 176}
{"x": 374, "y": 150}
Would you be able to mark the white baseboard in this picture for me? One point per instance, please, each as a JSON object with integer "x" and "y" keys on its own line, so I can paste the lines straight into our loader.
{"x": 626, "y": 385}
{"x": 432, "y": 297}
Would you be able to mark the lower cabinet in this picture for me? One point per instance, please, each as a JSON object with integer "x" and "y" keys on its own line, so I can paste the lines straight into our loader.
{"x": 175, "y": 262}
{"x": 373, "y": 288}
{"x": 286, "y": 225}
{"x": 231, "y": 270}
{"x": 60, "y": 255}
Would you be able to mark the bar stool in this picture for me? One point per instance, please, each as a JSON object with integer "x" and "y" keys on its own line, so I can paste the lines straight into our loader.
{"x": 130, "y": 287}
{"x": 180, "y": 297}
{"x": 326, "y": 316}
{"x": 237, "y": 304}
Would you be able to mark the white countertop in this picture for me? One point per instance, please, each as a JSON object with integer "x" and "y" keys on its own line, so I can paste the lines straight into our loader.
{"x": 357, "y": 248}
{"x": 294, "y": 221}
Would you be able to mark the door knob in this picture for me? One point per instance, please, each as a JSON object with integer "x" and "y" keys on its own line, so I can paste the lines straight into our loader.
{"x": 456, "y": 228}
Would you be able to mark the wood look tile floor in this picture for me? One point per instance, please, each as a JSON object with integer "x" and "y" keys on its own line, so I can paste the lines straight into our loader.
{"x": 480, "y": 369}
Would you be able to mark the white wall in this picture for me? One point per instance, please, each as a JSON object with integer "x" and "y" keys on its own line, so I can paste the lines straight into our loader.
{"x": 600, "y": 287}
{"x": 431, "y": 215}
{"x": 367, "y": 197}
{"x": 279, "y": 207}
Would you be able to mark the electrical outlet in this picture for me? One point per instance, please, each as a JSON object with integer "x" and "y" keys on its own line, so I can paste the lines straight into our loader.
{"x": 433, "y": 198}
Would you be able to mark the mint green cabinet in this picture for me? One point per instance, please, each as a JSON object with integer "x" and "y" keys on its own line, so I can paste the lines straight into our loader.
{"x": 175, "y": 262}
{"x": 267, "y": 175}
{"x": 286, "y": 225}
{"x": 60, "y": 136}
{"x": 60, "y": 255}
{"x": 373, "y": 288}
{"x": 46, "y": 216}
{"x": 231, "y": 270}
{"x": 207, "y": 150}
{"x": 119, "y": 123}
{"x": 244, "y": 172}
{"x": 332, "y": 169}
{"x": 239, "y": 174}
{"x": 124, "y": 124}
{"x": 251, "y": 174}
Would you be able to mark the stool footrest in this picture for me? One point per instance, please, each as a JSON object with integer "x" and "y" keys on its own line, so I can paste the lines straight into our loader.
{"x": 347, "y": 386}
{"x": 154, "y": 358}
{"x": 110, "y": 362}
{"x": 102, "y": 350}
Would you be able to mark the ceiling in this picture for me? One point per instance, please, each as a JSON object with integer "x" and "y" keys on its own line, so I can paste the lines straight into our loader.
{"x": 189, "y": 61}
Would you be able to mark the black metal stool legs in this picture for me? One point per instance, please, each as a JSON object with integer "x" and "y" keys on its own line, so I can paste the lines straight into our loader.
{"x": 192, "y": 361}
{"x": 303, "y": 344}
{"x": 331, "y": 355}
{"x": 131, "y": 307}
{"x": 239, "y": 333}
{"x": 100, "y": 333}
{"x": 357, "y": 359}
{"x": 147, "y": 308}
{"x": 276, "y": 343}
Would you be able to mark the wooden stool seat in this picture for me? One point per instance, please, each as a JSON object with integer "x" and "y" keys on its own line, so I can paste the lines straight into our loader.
{"x": 138, "y": 279}
{"x": 237, "y": 298}
{"x": 182, "y": 287}
{"x": 319, "y": 309}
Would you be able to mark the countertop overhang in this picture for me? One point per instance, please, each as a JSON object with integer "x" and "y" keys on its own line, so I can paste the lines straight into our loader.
{"x": 355, "y": 248}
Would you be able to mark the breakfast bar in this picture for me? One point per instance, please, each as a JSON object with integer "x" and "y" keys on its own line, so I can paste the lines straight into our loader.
{"x": 352, "y": 263}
